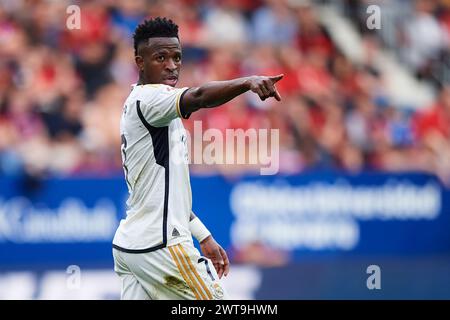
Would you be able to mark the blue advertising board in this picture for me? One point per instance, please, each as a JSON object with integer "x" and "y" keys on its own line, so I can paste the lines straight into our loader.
{"x": 72, "y": 221}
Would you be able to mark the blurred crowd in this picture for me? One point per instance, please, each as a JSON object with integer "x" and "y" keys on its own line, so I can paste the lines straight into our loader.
{"x": 417, "y": 31}
{"x": 62, "y": 90}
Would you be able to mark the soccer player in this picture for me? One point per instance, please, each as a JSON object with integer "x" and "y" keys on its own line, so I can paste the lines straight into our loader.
{"x": 153, "y": 250}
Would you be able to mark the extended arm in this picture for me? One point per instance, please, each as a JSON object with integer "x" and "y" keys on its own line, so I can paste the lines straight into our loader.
{"x": 215, "y": 93}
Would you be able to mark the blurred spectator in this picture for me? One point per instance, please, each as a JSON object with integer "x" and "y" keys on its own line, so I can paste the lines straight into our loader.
{"x": 226, "y": 25}
{"x": 424, "y": 37}
{"x": 274, "y": 23}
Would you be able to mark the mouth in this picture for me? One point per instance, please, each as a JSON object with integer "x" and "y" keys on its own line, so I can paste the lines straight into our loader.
{"x": 170, "y": 80}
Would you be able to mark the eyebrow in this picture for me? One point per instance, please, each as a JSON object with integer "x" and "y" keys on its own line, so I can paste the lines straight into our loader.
{"x": 165, "y": 51}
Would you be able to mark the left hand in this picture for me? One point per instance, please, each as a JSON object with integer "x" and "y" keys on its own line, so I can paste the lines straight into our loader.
{"x": 212, "y": 250}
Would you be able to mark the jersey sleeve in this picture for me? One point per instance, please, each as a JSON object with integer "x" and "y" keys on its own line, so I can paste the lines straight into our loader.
{"x": 162, "y": 104}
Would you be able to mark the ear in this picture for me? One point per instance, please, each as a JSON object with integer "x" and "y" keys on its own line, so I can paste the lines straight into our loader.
{"x": 139, "y": 62}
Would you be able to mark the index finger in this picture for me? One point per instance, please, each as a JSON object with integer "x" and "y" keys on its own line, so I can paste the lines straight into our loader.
{"x": 226, "y": 262}
{"x": 277, "y": 95}
{"x": 276, "y": 78}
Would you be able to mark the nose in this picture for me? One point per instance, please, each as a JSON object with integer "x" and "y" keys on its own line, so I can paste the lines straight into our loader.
{"x": 171, "y": 65}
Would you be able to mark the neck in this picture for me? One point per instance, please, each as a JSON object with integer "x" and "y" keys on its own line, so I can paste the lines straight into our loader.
{"x": 142, "y": 79}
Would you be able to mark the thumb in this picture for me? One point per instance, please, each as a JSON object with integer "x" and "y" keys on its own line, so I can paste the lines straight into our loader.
{"x": 276, "y": 78}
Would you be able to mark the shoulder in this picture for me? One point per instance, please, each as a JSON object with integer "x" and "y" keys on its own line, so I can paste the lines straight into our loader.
{"x": 151, "y": 91}
{"x": 145, "y": 94}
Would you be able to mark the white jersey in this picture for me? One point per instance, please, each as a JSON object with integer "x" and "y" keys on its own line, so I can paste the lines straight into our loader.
{"x": 155, "y": 161}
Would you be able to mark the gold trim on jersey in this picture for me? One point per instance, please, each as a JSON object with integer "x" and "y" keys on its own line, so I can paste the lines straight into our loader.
{"x": 191, "y": 275}
{"x": 193, "y": 287}
{"x": 189, "y": 272}
{"x": 196, "y": 273}
{"x": 178, "y": 104}
{"x": 189, "y": 268}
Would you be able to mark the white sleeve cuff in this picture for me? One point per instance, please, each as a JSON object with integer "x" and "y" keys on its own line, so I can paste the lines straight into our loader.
{"x": 198, "y": 229}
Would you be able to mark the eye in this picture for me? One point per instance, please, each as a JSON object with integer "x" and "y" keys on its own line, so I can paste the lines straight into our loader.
{"x": 160, "y": 58}
{"x": 177, "y": 59}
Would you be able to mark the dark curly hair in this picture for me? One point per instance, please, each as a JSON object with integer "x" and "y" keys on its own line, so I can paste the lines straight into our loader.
{"x": 157, "y": 27}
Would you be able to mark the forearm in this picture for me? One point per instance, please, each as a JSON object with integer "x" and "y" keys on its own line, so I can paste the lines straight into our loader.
{"x": 214, "y": 93}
